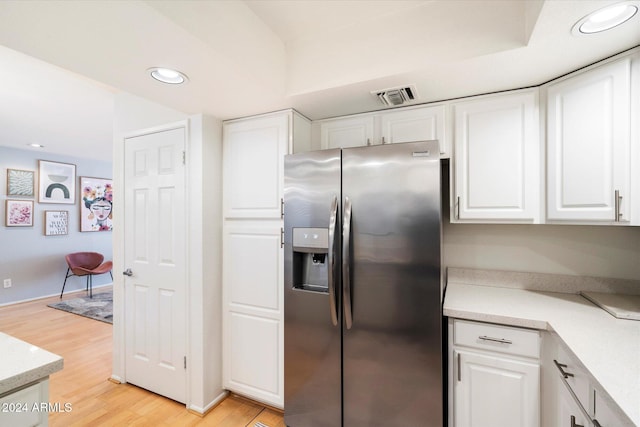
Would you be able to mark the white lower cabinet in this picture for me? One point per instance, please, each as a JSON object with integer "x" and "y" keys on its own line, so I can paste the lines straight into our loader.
{"x": 604, "y": 415}
{"x": 495, "y": 391}
{"x": 570, "y": 397}
{"x": 494, "y": 375}
{"x": 27, "y": 407}
{"x": 253, "y": 309}
{"x": 569, "y": 413}
{"x": 566, "y": 398}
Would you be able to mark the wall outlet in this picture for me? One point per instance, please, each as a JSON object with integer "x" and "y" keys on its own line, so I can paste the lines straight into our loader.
{"x": 7, "y": 283}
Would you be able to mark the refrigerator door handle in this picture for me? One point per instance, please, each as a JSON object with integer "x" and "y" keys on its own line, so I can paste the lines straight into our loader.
{"x": 332, "y": 261}
{"x": 346, "y": 261}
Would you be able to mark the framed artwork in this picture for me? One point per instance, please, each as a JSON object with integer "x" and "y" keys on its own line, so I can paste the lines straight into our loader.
{"x": 56, "y": 223}
{"x": 56, "y": 182}
{"x": 96, "y": 204}
{"x": 20, "y": 183}
{"x": 19, "y": 213}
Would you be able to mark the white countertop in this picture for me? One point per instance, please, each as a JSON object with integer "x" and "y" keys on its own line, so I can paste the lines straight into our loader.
{"x": 608, "y": 347}
{"x": 22, "y": 363}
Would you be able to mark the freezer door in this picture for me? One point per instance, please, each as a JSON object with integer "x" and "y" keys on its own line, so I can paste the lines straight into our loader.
{"x": 392, "y": 342}
{"x": 312, "y": 333}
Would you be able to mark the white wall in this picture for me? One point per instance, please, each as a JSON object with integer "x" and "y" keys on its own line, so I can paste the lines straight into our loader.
{"x": 204, "y": 161}
{"x": 604, "y": 251}
{"x": 34, "y": 262}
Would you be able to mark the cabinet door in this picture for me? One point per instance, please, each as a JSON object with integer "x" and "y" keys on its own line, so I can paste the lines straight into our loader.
{"x": 420, "y": 124}
{"x": 253, "y": 363}
{"x": 253, "y": 167}
{"x": 348, "y": 132}
{"x": 605, "y": 415}
{"x": 492, "y": 391}
{"x": 497, "y": 159}
{"x": 569, "y": 412}
{"x": 588, "y": 125}
{"x": 17, "y": 409}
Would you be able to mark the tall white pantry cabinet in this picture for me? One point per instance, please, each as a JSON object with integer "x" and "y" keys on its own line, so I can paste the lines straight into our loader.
{"x": 253, "y": 264}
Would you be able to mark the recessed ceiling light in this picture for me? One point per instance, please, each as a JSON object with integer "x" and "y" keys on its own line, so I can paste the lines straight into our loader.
{"x": 167, "y": 75}
{"x": 36, "y": 145}
{"x": 606, "y": 18}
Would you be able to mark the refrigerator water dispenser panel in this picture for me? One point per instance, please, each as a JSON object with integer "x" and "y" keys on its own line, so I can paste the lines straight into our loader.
{"x": 310, "y": 251}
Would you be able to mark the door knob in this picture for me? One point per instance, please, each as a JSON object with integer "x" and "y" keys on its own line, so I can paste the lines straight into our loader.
{"x": 128, "y": 272}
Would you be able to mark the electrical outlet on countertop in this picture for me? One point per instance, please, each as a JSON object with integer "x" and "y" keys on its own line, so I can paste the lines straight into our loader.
{"x": 7, "y": 283}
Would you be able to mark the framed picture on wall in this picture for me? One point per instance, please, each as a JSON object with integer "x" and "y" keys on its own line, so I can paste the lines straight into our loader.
{"x": 19, "y": 213}
{"x": 96, "y": 204}
{"x": 56, "y": 182}
{"x": 20, "y": 182}
{"x": 56, "y": 223}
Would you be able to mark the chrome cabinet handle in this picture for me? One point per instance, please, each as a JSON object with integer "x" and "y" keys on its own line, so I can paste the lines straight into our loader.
{"x": 562, "y": 371}
{"x": 457, "y": 208}
{"x": 617, "y": 202}
{"x": 500, "y": 340}
{"x": 128, "y": 272}
{"x": 333, "y": 216}
{"x": 573, "y": 422}
{"x": 346, "y": 273}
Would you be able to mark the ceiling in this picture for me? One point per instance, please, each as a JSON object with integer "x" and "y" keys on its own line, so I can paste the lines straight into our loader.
{"x": 63, "y": 61}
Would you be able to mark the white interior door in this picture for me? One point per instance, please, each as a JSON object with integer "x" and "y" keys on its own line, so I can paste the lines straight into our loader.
{"x": 155, "y": 252}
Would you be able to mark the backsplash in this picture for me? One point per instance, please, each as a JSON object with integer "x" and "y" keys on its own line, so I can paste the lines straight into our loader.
{"x": 542, "y": 281}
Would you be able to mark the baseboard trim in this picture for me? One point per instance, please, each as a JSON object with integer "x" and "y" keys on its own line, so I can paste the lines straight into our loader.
{"x": 201, "y": 412}
{"x": 257, "y": 402}
{"x": 53, "y": 295}
{"x": 115, "y": 379}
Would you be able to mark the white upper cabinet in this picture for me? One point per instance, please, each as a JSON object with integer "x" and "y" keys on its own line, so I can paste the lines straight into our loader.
{"x": 346, "y": 132}
{"x": 588, "y": 145}
{"x": 253, "y": 167}
{"x": 418, "y": 124}
{"x": 399, "y": 125}
{"x": 496, "y": 159}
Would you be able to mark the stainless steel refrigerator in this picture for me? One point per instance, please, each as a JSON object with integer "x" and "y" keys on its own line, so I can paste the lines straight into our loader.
{"x": 363, "y": 320}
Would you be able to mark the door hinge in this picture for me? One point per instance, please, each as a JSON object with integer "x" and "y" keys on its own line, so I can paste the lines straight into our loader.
{"x": 282, "y": 237}
{"x": 281, "y": 208}
{"x": 184, "y": 157}
{"x": 185, "y": 362}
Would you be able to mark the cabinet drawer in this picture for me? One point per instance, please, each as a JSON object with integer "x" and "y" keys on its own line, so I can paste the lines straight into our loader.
{"x": 575, "y": 377}
{"x": 497, "y": 338}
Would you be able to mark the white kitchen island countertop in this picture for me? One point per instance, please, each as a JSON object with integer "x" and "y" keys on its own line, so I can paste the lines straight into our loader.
{"x": 22, "y": 363}
{"x": 608, "y": 347}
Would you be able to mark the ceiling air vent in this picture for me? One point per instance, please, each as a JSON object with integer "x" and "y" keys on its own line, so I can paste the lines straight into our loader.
{"x": 397, "y": 95}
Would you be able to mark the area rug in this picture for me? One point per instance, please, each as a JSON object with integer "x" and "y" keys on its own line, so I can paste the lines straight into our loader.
{"x": 100, "y": 307}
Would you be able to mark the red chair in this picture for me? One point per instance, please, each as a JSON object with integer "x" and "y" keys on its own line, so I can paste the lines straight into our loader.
{"x": 86, "y": 264}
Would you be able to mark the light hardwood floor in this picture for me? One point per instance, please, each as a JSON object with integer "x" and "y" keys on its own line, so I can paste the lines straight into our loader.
{"x": 85, "y": 345}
